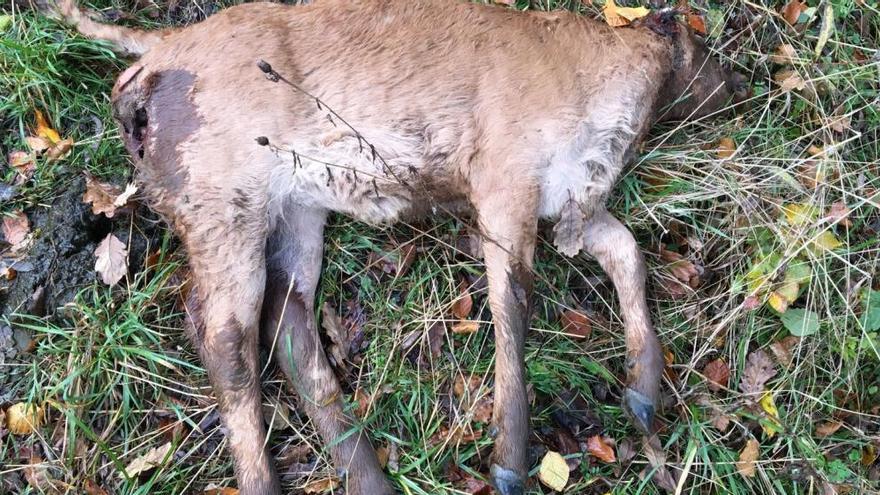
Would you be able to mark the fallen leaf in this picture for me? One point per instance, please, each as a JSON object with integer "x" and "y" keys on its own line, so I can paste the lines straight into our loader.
{"x": 784, "y": 54}
{"x": 680, "y": 268}
{"x": 59, "y": 150}
{"x": 758, "y": 371}
{"x": 747, "y": 458}
{"x": 718, "y": 373}
{"x": 321, "y": 486}
{"x": 16, "y": 229}
{"x": 106, "y": 198}
{"x": 43, "y": 129}
{"x": 462, "y": 306}
{"x": 553, "y": 472}
{"x": 792, "y": 11}
{"x": 576, "y": 324}
{"x": 148, "y": 460}
{"x": 800, "y": 213}
{"x": 769, "y": 407}
{"x": 123, "y": 198}
{"x": 828, "y": 428}
{"x": 840, "y": 124}
{"x": 725, "y": 148}
{"x": 5, "y": 22}
{"x": 662, "y": 477}
{"x": 826, "y": 241}
{"x": 112, "y": 260}
{"x": 869, "y": 455}
{"x": 332, "y": 324}
{"x": 465, "y": 327}
{"x": 695, "y": 21}
{"x": 782, "y": 349}
{"x": 621, "y": 16}
{"x": 800, "y": 322}
{"x": 92, "y": 488}
{"x": 38, "y": 477}
{"x": 568, "y": 233}
{"x": 23, "y": 418}
{"x": 221, "y": 491}
{"x": 23, "y": 163}
{"x": 599, "y": 448}
{"x": 474, "y": 397}
{"x": 789, "y": 80}
{"x": 720, "y": 421}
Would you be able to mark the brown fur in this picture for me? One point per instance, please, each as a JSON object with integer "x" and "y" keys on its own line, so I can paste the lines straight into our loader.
{"x": 517, "y": 116}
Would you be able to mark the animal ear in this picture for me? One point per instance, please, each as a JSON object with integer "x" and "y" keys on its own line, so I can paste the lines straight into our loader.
{"x": 663, "y": 22}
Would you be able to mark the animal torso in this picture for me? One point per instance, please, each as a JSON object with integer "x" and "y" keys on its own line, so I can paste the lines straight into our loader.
{"x": 426, "y": 96}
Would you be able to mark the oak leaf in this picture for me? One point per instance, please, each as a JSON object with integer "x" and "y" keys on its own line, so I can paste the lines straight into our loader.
{"x": 718, "y": 373}
{"x": 111, "y": 260}
{"x": 758, "y": 371}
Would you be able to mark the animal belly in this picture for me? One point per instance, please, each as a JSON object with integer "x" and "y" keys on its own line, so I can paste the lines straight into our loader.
{"x": 341, "y": 173}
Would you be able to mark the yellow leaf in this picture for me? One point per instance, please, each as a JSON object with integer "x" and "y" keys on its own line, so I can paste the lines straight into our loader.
{"x": 777, "y": 302}
{"x": 800, "y": 213}
{"x": 769, "y": 407}
{"x": 788, "y": 290}
{"x": 827, "y": 241}
{"x": 621, "y": 16}
{"x": 43, "y": 129}
{"x": 23, "y": 419}
{"x": 554, "y": 471}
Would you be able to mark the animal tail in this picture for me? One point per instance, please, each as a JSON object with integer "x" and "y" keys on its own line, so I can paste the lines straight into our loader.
{"x": 125, "y": 41}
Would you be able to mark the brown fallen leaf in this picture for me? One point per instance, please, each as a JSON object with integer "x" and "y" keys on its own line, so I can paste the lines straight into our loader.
{"x": 696, "y": 22}
{"x": 680, "y": 268}
{"x": 111, "y": 260}
{"x": 92, "y": 488}
{"x": 828, "y": 428}
{"x": 781, "y": 349}
{"x": 463, "y": 305}
{"x": 23, "y": 163}
{"x": 789, "y": 80}
{"x": 321, "y": 486}
{"x": 576, "y": 324}
{"x": 792, "y": 11}
{"x": 148, "y": 460}
{"x": 16, "y": 229}
{"x": 720, "y": 421}
{"x": 106, "y": 198}
{"x": 839, "y": 213}
{"x": 40, "y": 479}
{"x": 784, "y": 54}
{"x": 718, "y": 374}
{"x": 758, "y": 371}
{"x": 474, "y": 396}
{"x": 465, "y": 327}
{"x": 600, "y": 448}
{"x": 332, "y": 324}
{"x": 748, "y": 457}
{"x": 725, "y": 148}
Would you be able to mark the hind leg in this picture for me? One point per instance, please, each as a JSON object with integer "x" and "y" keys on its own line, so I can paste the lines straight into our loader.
{"x": 612, "y": 244}
{"x": 293, "y": 262}
{"x": 229, "y": 278}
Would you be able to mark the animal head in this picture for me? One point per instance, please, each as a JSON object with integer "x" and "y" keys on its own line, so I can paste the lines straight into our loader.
{"x": 698, "y": 84}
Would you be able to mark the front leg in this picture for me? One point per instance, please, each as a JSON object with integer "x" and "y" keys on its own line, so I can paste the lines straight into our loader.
{"x": 612, "y": 244}
{"x": 509, "y": 228}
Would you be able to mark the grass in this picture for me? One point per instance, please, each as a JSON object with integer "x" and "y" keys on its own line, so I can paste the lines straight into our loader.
{"x": 119, "y": 377}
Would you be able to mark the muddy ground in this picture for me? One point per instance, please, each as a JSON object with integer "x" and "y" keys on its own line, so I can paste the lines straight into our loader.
{"x": 60, "y": 263}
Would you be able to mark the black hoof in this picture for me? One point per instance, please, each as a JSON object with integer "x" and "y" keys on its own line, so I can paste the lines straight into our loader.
{"x": 506, "y": 481}
{"x": 640, "y": 409}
